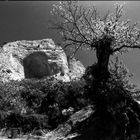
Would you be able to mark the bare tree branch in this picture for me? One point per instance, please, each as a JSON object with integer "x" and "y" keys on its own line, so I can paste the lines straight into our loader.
{"x": 126, "y": 46}
{"x": 83, "y": 26}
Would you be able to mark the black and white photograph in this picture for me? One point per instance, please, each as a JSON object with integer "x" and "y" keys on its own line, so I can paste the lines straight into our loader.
{"x": 69, "y": 70}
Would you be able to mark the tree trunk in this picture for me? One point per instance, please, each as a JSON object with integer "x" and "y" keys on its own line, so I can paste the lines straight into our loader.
{"x": 103, "y": 52}
{"x": 103, "y": 56}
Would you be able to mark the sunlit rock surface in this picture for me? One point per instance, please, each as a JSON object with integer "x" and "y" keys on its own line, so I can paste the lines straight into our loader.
{"x": 76, "y": 68}
{"x": 62, "y": 132}
{"x": 37, "y": 59}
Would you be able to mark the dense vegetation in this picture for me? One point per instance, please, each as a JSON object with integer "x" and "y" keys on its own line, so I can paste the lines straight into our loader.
{"x": 33, "y": 104}
{"x": 117, "y": 114}
{"x": 39, "y": 104}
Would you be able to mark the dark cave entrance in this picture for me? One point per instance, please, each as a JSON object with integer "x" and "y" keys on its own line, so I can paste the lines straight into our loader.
{"x": 36, "y": 65}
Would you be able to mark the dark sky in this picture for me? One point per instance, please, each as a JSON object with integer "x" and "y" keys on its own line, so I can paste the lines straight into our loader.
{"x": 28, "y": 20}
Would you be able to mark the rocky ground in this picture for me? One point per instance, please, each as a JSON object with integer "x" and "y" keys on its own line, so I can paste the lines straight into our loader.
{"x": 62, "y": 132}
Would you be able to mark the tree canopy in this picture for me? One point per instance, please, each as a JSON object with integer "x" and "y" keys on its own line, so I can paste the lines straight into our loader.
{"x": 82, "y": 26}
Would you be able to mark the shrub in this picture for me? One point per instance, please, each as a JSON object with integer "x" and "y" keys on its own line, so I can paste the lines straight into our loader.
{"x": 52, "y": 96}
{"x": 112, "y": 99}
{"x": 40, "y": 101}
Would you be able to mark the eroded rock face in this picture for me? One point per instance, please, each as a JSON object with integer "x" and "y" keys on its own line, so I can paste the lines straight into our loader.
{"x": 63, "y": 131}
{"x": 36, "y": 59}
{"x": 76, "y": 68}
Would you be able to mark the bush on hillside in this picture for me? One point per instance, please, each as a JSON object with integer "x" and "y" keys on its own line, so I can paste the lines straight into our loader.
{"x": 114, "y": 104}
{"x": 48, "y": 99}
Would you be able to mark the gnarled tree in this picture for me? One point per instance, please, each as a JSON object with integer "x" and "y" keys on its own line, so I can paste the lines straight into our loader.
{"x": 82, "y": 27}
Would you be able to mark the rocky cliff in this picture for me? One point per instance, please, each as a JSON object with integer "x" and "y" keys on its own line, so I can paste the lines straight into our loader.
{"x": 37, "y": 59}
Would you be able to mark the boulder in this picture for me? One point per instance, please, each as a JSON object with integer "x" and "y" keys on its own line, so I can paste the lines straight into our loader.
{"x": 37, "y": 59}
{"x": 64, "y": 131}
{"x": 76, "y": 68}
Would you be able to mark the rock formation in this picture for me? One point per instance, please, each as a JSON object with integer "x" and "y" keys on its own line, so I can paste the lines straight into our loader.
{"x": 76, "y": 68}
{"x": 37, "y": 59}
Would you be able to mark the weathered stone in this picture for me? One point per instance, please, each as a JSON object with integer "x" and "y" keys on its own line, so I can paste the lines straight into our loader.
{"x": 76, "y": 68}
{"x": 62, "y": 132}
{"x": 36, "y": 59}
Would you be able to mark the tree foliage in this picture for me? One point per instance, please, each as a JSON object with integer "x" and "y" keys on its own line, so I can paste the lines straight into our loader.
{"x": 82, "y": 26}
{"x": 121, "y": 75}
